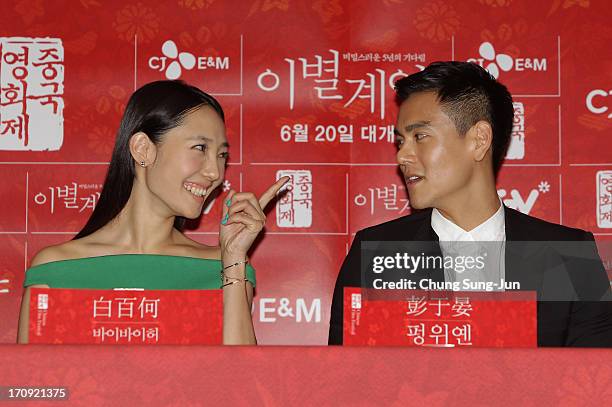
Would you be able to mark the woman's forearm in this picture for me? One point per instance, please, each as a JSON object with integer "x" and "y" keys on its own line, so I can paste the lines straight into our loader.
{"x": 237, "y": 298}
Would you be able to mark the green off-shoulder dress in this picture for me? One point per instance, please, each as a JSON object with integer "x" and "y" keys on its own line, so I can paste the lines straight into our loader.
{"x": 146, "y": 271}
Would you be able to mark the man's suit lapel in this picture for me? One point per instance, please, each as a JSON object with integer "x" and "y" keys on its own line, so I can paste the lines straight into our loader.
{"x": 522, "y": 264}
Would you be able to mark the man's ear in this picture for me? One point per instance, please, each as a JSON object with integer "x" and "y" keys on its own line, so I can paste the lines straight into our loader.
{"x": 143, "y": 150}
{"x": 481, "y": 135}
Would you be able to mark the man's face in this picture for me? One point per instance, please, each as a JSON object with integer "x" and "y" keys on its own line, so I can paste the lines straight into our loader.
{"x": 437, "y": 163}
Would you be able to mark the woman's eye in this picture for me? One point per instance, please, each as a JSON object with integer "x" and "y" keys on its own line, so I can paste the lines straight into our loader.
{"x": 201, "y": 147}
{"x": 224, "y": 156}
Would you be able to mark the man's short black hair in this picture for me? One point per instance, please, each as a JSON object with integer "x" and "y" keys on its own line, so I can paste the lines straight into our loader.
{"x": 467, "y": 94}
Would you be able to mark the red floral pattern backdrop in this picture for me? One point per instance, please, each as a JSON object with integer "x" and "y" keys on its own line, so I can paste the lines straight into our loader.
{"x": 307, "y": 89}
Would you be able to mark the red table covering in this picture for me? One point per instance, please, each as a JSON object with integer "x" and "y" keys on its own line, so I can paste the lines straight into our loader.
{"x": 321, "y": 376}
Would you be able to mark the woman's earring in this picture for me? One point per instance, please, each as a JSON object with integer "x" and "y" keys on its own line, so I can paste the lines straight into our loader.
{"x": 142, "y": 163}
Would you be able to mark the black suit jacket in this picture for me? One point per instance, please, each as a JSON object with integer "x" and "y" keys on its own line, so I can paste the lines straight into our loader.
{"x": 582, "y": 321}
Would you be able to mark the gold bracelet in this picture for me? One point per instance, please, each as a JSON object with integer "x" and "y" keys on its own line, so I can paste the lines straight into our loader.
{"x": 225, "y": 280}
{"x": 235, "y": 264}
{"x": 232, "y": 282}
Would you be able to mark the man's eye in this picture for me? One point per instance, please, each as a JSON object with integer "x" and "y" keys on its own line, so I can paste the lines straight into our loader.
{"x": 420, "y": 136}
{"x": 399, "y": 141}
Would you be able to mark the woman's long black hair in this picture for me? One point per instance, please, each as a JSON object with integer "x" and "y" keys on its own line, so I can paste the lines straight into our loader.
{"x": 154, "y": 109}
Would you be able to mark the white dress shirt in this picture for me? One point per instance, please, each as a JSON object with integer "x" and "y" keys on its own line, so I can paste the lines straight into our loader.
{"x": 454, "y": 241}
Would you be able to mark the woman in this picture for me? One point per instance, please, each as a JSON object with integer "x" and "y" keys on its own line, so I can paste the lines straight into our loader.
{"x": 169, "y": 155}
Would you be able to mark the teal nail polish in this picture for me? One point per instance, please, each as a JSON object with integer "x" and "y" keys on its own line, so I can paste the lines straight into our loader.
{"x": 225, "y": 219}
{"x": 228, "y": 202}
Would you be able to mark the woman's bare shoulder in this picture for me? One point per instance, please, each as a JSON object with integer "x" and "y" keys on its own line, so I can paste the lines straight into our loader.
{"x": 58, "y": 252}
{"x": 72, "y": 249}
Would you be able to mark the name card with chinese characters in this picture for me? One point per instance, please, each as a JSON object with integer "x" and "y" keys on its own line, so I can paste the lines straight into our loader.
{"x": 75, "y": 316}
{"x": 439, "y": 318}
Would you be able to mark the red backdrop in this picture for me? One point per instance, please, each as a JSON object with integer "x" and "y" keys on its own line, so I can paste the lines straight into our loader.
{"x": 307, "y": 90}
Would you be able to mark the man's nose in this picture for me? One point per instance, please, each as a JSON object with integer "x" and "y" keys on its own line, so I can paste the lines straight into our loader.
{"x": 406, "y": 154}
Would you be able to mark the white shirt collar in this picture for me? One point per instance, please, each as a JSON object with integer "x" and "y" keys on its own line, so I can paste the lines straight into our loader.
{"x": 492, "y": 229}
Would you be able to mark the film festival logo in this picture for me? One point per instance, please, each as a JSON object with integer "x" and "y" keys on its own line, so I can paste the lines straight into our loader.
{"x": 497, "y": 63}
{"x": 31, "y": 97}
{"x": 604, "y": 199}
{"x": 173, "y": 63}
{"x": 294, "y": 208}
{"x": 516, "y": 150}
{"x": 516, "y": 201}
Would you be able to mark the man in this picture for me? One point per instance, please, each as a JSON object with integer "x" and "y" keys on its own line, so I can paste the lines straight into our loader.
{"x": 452, "y": 132}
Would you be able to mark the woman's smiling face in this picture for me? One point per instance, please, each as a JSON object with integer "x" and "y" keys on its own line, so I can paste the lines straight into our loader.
{"x": 190, "y": 162}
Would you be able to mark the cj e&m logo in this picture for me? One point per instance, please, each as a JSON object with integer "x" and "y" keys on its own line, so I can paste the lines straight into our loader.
{"x": 173, "y": 63}
{"x": 300, "y": 310}
{"x": 496, "y": 63}
{"x": 597, "y": 101}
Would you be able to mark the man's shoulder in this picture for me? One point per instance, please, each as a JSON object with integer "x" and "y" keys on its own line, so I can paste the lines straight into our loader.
{"x": 531, "y": 228}
{"x": 397, "y": 229}
{"x": 519, "y": 225}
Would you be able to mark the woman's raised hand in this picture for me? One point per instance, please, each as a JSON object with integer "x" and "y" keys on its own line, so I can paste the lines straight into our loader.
{"x": 243, "y": 219}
